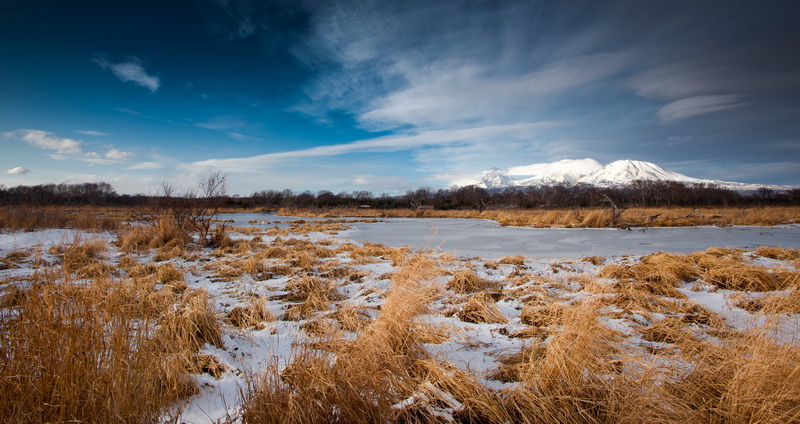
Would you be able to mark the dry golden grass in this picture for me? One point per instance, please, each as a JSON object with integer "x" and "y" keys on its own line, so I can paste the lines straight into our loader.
{"x": 191, "y": 325}
{"x": 31, "y": 218}
{"x": 253, "y": 314}
{"x": 779, "y": 253}
{"x": 587, "y": 218}
{"x": 465, "y": 281}
{"x": 363, "y": 379}
{"x": 724, "y": 268}
{"x": 69, "y": 356}
{"x": 165, "y": 235}
{"x": 481, "y": 308}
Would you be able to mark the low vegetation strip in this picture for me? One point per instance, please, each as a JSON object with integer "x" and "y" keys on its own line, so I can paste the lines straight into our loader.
{"x": 157, "y": 322}
{"x": 581, "y": 217}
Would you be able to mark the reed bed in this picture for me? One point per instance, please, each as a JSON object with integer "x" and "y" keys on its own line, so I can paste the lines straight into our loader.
{"x": 582, "y": 217}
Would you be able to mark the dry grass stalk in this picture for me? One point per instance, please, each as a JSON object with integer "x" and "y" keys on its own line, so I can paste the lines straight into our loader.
{"x": 29, "y": 218}
{"x": 465, "y": 281}
{"x": 363, "y": 379}
{"x": 67, "y": 358}
{"x": 779, "y": 253}
{"x": 254, "y": 314}
{"x": 191, "y": 325}
{"x": 481, "y": 308}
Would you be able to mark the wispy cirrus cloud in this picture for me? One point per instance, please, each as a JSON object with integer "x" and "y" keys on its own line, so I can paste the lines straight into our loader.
{"x": 95, "y": 133}
{"x": 130, "y": 70}
{"x": 146, "y": 165}
{"x": 386, "y": 144}
{"x": 698, "y": 105}
{"x": 66, "y": 148}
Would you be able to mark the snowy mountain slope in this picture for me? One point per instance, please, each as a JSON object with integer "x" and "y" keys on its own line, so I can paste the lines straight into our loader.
{"x": 626, "y": 171}
{"x": 496, "y": 178}
{"x": 589, "y": 171}
{"x": 566, "y": 171}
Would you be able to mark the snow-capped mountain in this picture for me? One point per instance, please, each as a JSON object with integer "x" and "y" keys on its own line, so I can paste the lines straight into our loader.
{"x": 626, "y": 171}
{"x": 591, "y": 172}
{"x": 496, "y": 178}
{"x": 566, "y": 171}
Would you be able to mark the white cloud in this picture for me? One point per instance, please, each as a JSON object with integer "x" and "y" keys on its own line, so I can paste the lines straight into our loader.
{"x": 67, "y": 148}
{"x": 147, "y": 165}
{"x": 19, "y": 171}
{"x": 698, "y": 105}
{"x": 451, "y": 93}
{"x": 96, "y": 133}
{"x": 45, "y": 140}
{"x": 131, "y": 70}
{"x": 119, "y": 155}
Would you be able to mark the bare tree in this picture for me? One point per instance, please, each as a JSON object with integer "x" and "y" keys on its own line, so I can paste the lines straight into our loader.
{"x": 212, "y": 188}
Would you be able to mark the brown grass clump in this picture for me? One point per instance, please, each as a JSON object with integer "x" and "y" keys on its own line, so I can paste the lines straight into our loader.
{"x": 481, "y": 308}
{"x": 782, "y": 303}
{"x": 660, "y": 268}
{"x": 754, "y": 379}
{"x": 81, "y": 257}
{"x": 542, "y": 316}
{"x": 66, "y": 358}
{"x": 359, "y": 381}
{"x": 306, "y": 286}
{"x": 779, "y": 253}
{"x": 594, "y": 260}
{"x": 351, "y": 318}
{"x": 254, "y": 314}
{"x": 191, "y": 325}
{"x": 517, "y": 260}
{"x": 724, "y": 268}
{"x": 165, "y": 235}
{"x": 574, "y": 378}
{"x": 465, "y": 281}
{"x": 206, "y": 364}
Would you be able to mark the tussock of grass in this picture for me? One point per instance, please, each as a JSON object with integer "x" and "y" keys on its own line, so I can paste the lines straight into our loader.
{"x": 481, "y": 308}
{"x": 191, "y": 325}
{"x": 253, "y": 314}
{"x": 362, "y": 380}
{"x": 166, "y": 235}
{"x": 779, "y": 253}
{"x": 67, "y": 358}
{"x": 206, "y": 364}
{"x": 542, "y": 316}
{"x": 517, "y": 260}
{"x": 465, "y": 281}
{"x": 724, "y": 268}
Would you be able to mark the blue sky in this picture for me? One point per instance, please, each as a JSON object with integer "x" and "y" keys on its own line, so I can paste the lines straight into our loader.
{"x": 391, "y": 95}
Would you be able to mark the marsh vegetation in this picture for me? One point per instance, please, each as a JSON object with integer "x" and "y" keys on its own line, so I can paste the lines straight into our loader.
{"x": 117, "y": 316}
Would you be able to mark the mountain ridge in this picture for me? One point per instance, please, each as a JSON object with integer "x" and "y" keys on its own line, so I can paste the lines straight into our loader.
{"x": 615, "y": 174}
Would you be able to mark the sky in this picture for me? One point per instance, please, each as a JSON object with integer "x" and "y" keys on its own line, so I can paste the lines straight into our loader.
{"x": 387, "y": 96}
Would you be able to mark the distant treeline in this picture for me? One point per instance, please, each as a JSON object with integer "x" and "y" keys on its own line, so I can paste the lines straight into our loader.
{"x": 638, "y": 193}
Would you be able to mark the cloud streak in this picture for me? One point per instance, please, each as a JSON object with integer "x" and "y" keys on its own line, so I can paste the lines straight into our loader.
{"x": 130, "y": 71}
{"x": 393, "y": 143}
{"x": 698, "y": 105}
{"x": 67, "y": 148}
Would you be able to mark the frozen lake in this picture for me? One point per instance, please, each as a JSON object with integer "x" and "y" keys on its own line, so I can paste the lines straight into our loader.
{"x": 473, "y": 237}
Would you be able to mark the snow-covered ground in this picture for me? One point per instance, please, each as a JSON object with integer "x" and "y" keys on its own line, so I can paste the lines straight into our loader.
{"x": 549, "y": 266}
